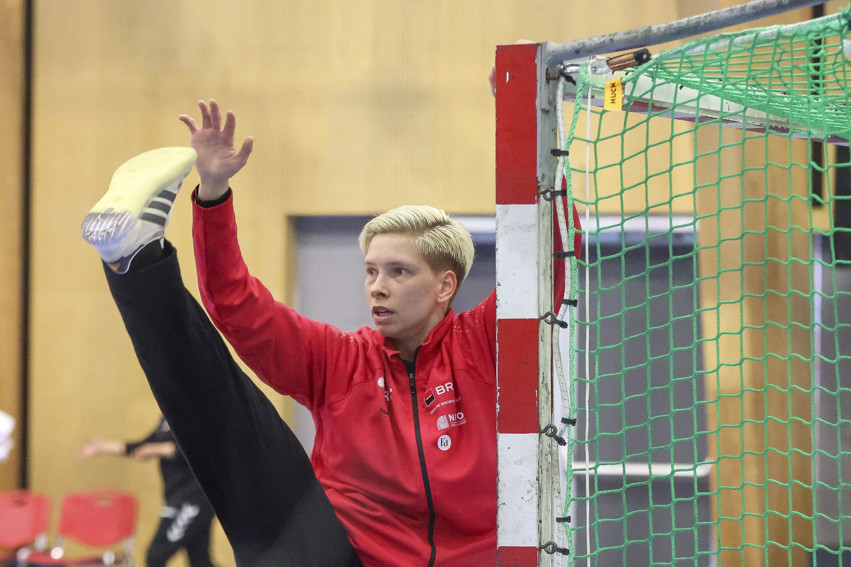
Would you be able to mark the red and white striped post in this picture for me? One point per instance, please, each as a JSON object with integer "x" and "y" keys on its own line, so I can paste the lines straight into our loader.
{"x": 524, "y": 294}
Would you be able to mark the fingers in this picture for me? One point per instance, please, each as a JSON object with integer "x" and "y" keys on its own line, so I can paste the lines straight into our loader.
{"x": 87, "y": 450}
{"x": 205, "y": 118}
{"x": 215, "y": 115}
{"x": 190, "y": 123}
{"x": 229, "y": 132}
{"x": 246, "y": 148}
{"x": 211, "y": 118}
{"x": 205, "y": 114}
{"x": 230, "y": 124}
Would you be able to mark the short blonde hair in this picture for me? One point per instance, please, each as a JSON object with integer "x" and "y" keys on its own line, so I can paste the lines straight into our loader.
{"x": 445, "y": 243}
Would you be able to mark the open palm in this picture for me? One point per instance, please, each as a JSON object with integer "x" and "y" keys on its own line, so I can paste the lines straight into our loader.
{"x": 218, "y": 159}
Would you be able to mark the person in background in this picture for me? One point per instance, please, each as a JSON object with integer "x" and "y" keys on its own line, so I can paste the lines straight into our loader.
{"x": 186, "y": 518}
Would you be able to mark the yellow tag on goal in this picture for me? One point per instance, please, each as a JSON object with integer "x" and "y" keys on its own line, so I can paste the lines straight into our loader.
{"x": 614, "y": 95}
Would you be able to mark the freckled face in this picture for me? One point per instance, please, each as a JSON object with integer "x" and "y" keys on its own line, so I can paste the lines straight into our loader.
{"x": 406, "y": 297}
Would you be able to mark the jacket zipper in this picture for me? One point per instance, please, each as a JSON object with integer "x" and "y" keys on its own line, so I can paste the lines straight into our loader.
{"x": 431, "y": 518}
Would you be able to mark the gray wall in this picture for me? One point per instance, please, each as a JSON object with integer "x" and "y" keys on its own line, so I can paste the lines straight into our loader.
{"x": 645, "y": 407}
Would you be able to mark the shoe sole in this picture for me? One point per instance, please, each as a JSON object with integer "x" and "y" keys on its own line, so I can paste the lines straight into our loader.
{"x": 139, "y": 199}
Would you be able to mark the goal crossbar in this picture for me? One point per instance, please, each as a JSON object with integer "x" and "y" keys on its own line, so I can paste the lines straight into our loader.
{"x": 671, "y": 31}
{"x": 667, "y": 100}
{"x": 813, "y": 48}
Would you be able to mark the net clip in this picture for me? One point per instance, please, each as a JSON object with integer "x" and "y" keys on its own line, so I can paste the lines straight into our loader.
{"x": 550, "y": 194}
{"x": 561, "y": 255}
{"x": 551, "y": 431}
{"x": 551, "y": 548}
{"x": 550, "y": 318}
{"x": 565, "y": 71}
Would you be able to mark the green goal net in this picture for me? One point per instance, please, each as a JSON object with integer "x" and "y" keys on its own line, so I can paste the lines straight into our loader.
{"x": 710, "y": 348}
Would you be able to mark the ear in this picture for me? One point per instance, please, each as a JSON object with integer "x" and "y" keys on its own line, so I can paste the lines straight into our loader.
{"x": 448, "y": 286}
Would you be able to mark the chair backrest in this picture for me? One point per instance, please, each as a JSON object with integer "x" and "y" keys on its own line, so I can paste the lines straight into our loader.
{"x": 98, "y": 518}
{"x": 24, "y": 517}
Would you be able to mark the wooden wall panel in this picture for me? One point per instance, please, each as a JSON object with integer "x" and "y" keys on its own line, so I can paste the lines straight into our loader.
{"x": 750, "y": 282}
{"x": 757, "y": 381}
{"x": 356, "y": 106}
{"x": 11, "y": 178}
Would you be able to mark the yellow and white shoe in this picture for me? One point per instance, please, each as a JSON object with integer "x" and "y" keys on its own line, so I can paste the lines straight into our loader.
{"x": 137, "y": 206}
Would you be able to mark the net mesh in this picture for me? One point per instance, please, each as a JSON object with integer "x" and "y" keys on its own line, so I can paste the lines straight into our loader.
{"x": 710, "y": 344}
{"x": 797, "y": 74}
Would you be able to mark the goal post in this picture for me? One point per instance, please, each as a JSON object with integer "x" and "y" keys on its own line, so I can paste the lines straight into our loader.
{"x": 710, "y": 149}
{"x": 524, "y": 289}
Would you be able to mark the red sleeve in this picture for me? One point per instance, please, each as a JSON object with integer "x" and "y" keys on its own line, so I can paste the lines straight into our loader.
{"x": 285, "y": 350}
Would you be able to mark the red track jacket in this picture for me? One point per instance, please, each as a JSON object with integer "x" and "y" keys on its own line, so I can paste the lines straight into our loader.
{"x": 392, "y": 456}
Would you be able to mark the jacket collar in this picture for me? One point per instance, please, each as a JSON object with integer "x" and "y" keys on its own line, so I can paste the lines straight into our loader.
{"x": 432, "y": 341}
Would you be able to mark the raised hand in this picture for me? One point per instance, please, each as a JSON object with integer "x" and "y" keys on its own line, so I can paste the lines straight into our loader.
{"x": 218, "y": 159}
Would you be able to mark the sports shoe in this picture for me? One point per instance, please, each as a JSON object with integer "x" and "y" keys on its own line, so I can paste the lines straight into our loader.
{"x": 137, "y": 206}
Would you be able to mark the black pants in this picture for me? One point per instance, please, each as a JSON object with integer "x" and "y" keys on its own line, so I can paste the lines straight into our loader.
{"x": 183, "y": 525}
{"x": 249, "y": 463}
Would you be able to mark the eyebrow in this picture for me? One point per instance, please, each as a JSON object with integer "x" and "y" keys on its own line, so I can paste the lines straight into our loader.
{"x": 391, "y": 264}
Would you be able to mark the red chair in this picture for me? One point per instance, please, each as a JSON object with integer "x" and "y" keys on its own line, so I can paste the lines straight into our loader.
{"x": 103, "y": 519}
{"x": 24, "y": 519}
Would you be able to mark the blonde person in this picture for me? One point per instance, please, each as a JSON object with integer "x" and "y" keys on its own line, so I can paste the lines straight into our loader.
{"x": 403, "y": 470}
